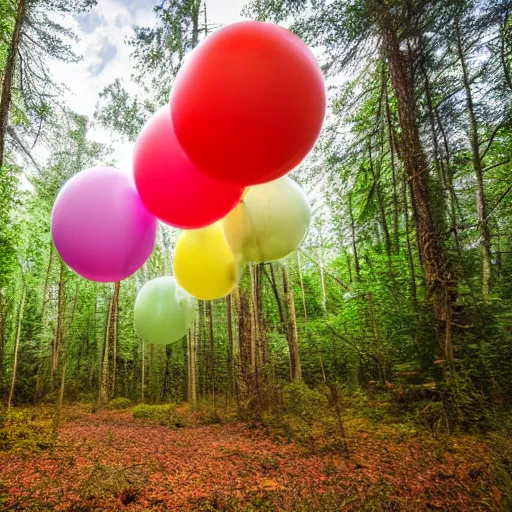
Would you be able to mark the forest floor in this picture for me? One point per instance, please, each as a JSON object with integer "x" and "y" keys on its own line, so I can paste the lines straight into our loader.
{"x": 110, "y": 460}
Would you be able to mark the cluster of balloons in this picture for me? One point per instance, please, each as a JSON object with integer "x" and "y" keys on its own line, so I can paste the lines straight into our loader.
{"x": 246, "y": 108}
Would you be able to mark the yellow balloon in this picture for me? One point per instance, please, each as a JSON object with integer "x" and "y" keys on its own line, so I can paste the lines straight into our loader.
{"x": 204, "y": 264}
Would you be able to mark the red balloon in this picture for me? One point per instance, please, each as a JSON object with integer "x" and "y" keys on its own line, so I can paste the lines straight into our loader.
{"x": 249, "y": 103}
{"x": 170, "y": 185}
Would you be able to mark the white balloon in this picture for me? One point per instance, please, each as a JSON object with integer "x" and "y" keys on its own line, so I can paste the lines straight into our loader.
{"x": 270, "y": 222}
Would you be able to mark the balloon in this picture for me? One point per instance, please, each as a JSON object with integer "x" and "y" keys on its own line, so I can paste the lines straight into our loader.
{"x": 270, "y": 223}
{"x": 171, "y": 186}
{"x": 204, "y": 264}
{"x": 163, "y": 311}
{"x": 100, "y": 227}
{"x": 249, "y": 103}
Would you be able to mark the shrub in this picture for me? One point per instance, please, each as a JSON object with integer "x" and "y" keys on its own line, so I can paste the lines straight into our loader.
{"x": 119, "y": 403}
{"x": 144, "y": 411}
{"x": 166, "y": 415}
{"x": 303, "y": 402}
{"x": 86, "y": 397}
{"x": 26, "y": 430}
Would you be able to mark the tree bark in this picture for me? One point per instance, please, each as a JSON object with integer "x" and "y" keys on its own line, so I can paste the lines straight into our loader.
{"x": 114, "y": 328}
{"x": 167, "y": 371}
{"x": 293, "y": 338}
{"x": 104, "y": 367}
{"x": 16, "y": 346}
{"x": 391, "y": 141}
{"x": 230, "y": 351}
{"x": 211, "y": 337}
{"x": 6, "y": 91}
{"x": 440, "y": 279}
{"x": 59, "y": 329}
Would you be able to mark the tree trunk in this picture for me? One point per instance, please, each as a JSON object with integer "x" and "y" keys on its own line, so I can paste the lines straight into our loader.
{"x": 114, "y": 328}
{"x": 167, "y": 371}
{"x": 209, "y": 310}
{"x": 441, "y": 282}
{"x": 5, "y": 94}
{"x": 380, "y": 201}
{"x": 245, "y": 328}
{"x": 3, "y": 315}
{"x": 293, "y": 338}
{"x": 143, "y": 371}
{"x": 39, "y": 375}
{"x": 59, "y": 330}
{"x": 481, "y": 206}
{"x": 391, "y": 137}
{"x": 16, "y": 346}
{"x": 410, "y": 256}
{"x": 104, "y": 367}
{"x": 192, "y": 343}
{"x": 58, "y": 403}
{"x": 229, "y": 317}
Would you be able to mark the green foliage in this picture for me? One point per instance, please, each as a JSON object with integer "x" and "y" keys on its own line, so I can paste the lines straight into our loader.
{"x": 25, "y": 429}
{"x": 120, "y": 403}
{"x": 303, "y": 402}
{"x": 167, "y": 415}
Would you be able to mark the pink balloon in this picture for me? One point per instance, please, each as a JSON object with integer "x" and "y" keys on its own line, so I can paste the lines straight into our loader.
{"x": 171, "y": 186}
{"x": 100, "y": 227}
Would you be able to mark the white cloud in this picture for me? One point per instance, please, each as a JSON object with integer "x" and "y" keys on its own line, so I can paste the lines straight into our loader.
{"x": 106, "y": 56}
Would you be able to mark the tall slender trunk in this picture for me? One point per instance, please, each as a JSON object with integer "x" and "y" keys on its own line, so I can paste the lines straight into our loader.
{"x": 391, "y": 132}
{"x": 113, "y": 334}
{"x": 16, "y": 346}
{"x": 6, "y": 90}
{"x": 59, "y": 329}
{"x": 481, "y": 206}
{"x": 293, "y": 338}
{"x": 380, "y": 201}
{"x": 245, "y": 335}
{"x": 3, "y": 316}
{"x": 211, "y": 338}
{"x": 440, "y": 279}
{"x": 58, "y": 403}
{"x": 192, "y": 343}
{"x": 410, "y": 256}
{"x": 229, "y": 319}
{"x": 39, "y": 375}
{"x": 104, "y": 366}
{"x": 143, "y": 371}
{"x": 167, "y": 371}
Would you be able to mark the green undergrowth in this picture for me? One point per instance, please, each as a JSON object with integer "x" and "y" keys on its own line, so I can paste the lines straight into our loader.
{"x": 25, "y": 429}
{"x": 168, "y": 415}
{"x": 182, "y": 415}
{"x": 119, "y": 403}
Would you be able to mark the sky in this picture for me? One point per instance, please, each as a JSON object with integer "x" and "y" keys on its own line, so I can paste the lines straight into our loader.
{"x": 102, "y": 33}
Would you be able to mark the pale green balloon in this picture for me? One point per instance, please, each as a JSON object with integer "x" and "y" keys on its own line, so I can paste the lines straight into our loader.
{"x": 163, "y": 311}
{"x": 270, "y": 222}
